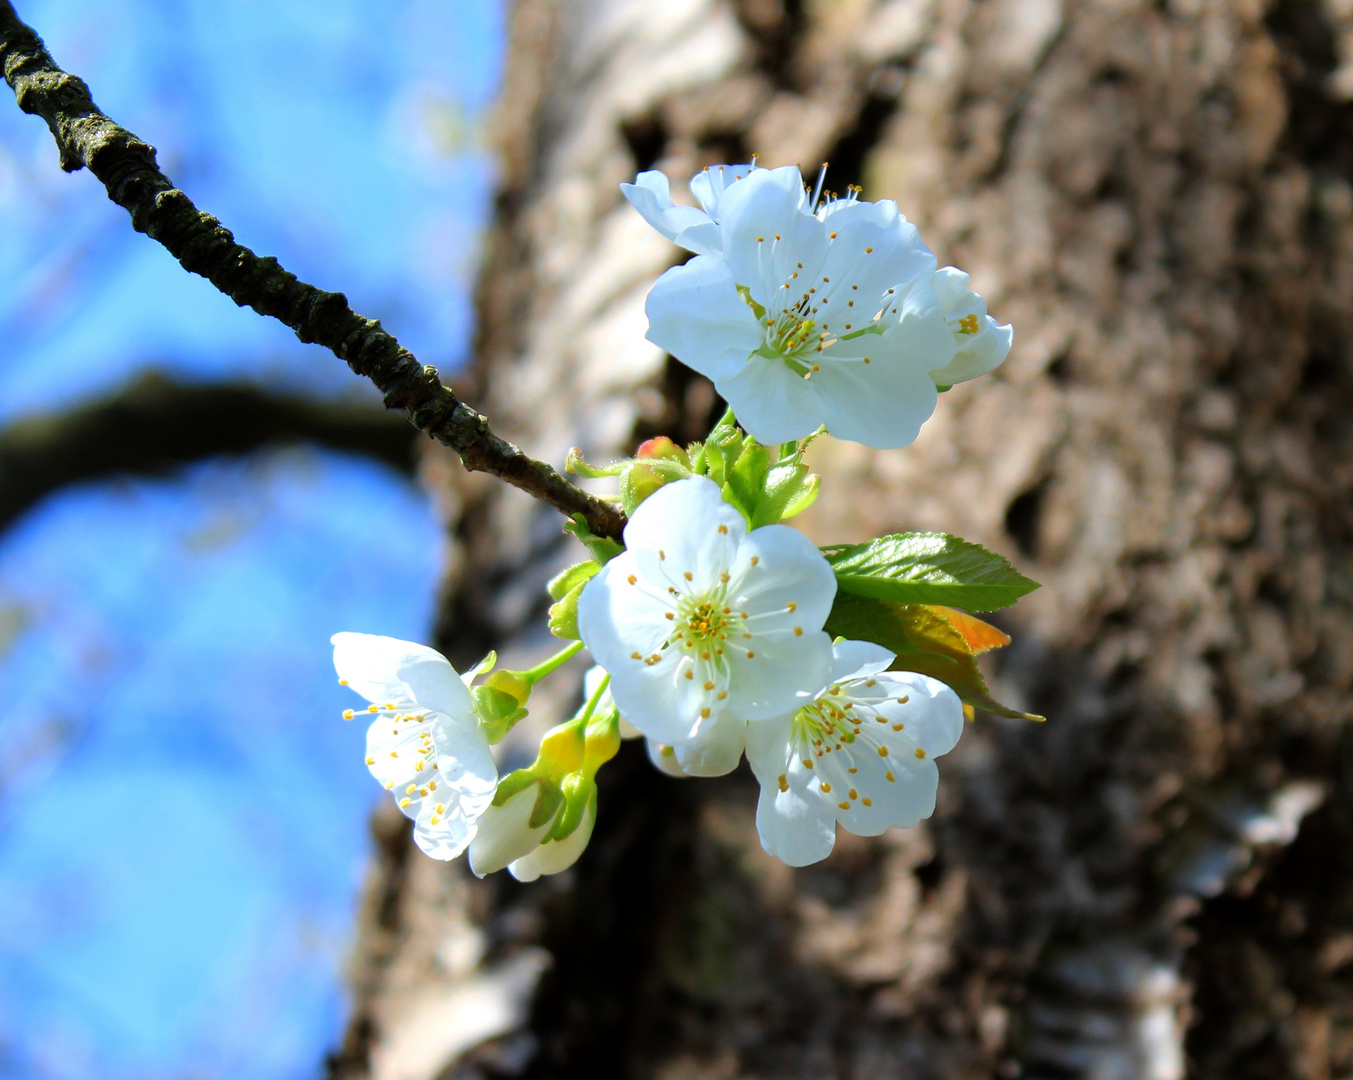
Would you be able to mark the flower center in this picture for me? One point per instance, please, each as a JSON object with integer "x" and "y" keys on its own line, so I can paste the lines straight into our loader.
{"x": 704, "y": 624}
{"x": 826, "y": 723}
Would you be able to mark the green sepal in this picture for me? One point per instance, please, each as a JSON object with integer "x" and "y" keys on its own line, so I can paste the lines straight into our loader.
{"x": 486, "y": 664}
{"x": 570, "y": 578}
{"x": 722, "y": 450}
{"x": 603, "y": 548}
{"x": 925, "y": 639}
{"x": 579, "y": 790}
{"x": 643, "y": 477}
{"x": 746, "y": 482}
{"x": 548, "y": 800}
{"x": 928, "y": 568}
{"x": 789, "y": 489}
{"x": 564, "y": 614}
{"x": 497, "y": 710}
{"x": 566, "y": 587}
{"x": 514, "y": 783}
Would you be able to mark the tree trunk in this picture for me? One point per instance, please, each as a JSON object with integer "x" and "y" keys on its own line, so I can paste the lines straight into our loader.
{"x": 1156, "y": 883}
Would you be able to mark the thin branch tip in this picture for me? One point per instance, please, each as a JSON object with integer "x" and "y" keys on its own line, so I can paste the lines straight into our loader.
{"x": 126, "y": 166}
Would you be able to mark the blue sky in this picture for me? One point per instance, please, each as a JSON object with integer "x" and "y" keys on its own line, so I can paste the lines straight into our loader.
{"x": 182, "y": 813}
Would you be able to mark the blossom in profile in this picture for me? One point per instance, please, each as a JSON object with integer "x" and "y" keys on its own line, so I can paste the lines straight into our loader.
{"x": 700, "y": 617}
{"x": 980, "y": 343}
{"x": 425, "y": 743}
{"x": 694, "y": 229}
{"x": 862, "y": 754}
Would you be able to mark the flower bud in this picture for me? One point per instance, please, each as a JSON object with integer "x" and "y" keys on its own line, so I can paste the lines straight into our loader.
{"x": 663, "y": 447}
{"x": 506, "y": 833}
{"x": 510, "y": 683}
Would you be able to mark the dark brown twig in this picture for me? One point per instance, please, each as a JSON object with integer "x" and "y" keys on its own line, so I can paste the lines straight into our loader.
{"x": 86, "y": 138}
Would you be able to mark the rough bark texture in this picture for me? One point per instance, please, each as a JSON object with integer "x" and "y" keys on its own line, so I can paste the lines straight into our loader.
{"x": 1158, "y": 882}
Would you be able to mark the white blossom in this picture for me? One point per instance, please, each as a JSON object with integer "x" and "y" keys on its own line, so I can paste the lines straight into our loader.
{"x": 425, "y": 743}
{"x": 980, "y": 343}
{"x": 505, "y": 833}
{"x": 862, "y": 754}
{"x": 699, "y": 617}
{"x": 695, "y": 230}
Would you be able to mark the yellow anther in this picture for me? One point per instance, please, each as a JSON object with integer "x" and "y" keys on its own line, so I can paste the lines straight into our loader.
{"x": 791, "y": 607}
{"x": 371, "y": 761}
{"x": 348, "y": 714}
{"x": 890, "y": 776}
{"x": 904, "y": 700}
{"x": 854, "y": 794}
{"x": 919, "y": 752}
{"x": 968, "y": 324}
{"x": 667, "y": 751}
{"x": 867, "y": 801}
{"x": 389, "y": 785}
{"x": 410, "y": 789}
{"x": 372, "y": 708}
{"x": 898, "y": 727}
{"x": 756, "y": 559}
{"x": 686, "y": 574}
{"x": 844, "y": 805}
{"x": 704, "y": 713}
{"x": 632, "y": 579}
{"x": 722, "y": 694}
{"x": 798, "y": 631}
{"x": 826, "y": 786}
{"x": 404, "y": 802}
{"x": 852, "y": 771}
{"x": 784, "y": 784}
{"x": 342, "y": 682}
{"x": 394, "y": 753}
{"x": 883, "y": 751}
{"x": 807, "y": 763}
{"x": 723, "y": 530}
{"x": 690, "y": 674}
{"x": 709, "y": 686}
{"x": 751, "y": 655}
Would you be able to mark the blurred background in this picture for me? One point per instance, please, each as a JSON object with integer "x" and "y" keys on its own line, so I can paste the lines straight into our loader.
{"x": 182, "y": 812}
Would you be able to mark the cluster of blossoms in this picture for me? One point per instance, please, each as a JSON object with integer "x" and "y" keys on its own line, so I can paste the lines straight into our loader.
{"x": 717, "y": 632}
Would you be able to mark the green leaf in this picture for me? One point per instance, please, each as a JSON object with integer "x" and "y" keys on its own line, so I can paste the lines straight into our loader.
{"x": 927, "y": 640}
{"x": 603, "y": 548}
{"x": 928, "y": 568}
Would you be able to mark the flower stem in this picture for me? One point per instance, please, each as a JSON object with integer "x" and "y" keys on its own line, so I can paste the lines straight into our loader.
{"x": 535, "y": 674}
{"x": 594, "y": 700}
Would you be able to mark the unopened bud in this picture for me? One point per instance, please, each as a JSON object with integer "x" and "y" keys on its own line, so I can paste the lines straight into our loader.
{"x": 663, "y": 447}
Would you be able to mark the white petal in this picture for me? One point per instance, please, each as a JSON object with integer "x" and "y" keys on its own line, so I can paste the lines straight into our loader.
{"x": 794, "y": 823}
{"x": 977, "y": 354}
{"x": 664, "y": 758}
{"x": 776, "y": 567}
{"x": 710, "y": 183}
{"x": 650, "y": 194}
{"x": 766, "y": 235}
{"x": 882, "y": 404}
{"x": 392, "y": 748}
{"x": 370, "y": 664}
{"x": 695, "y": 313}
{"x": 716, "y": 748}
{"x": 933, "y": 713}
{"x": 783, "y": 675}
{"x": 874, "y": 248}
{"x": 446, "y": 840}
{"x": 504, "y": 835}
{"x": 858, "y": 660}
{"x": 556, "y": 855}
{"x": 951, "y": 287}
{"x": 464, "y": 761}
{"x": 772, "y": 403}
{"x": 683, "y": 520}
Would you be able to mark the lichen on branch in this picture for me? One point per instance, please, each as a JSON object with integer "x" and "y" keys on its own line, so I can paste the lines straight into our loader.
{"x": 125, "y": 164}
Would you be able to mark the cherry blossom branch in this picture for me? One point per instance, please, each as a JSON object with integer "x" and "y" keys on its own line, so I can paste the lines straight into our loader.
{"x": 156, "y": 423}
{"x": 86, "y": 138}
